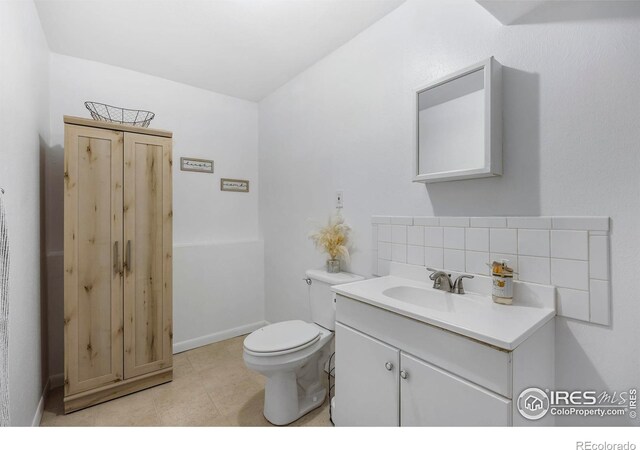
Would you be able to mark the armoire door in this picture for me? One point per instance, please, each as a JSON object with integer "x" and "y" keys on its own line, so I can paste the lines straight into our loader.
{"x": 148, "y": 254}
{"x": 93, "y": 237}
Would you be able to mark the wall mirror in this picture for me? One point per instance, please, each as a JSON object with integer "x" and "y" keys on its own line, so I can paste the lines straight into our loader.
{"x": 458, "y": 125}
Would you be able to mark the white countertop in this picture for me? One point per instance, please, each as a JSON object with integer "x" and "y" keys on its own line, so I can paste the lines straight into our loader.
{"x": 472, "y": 315}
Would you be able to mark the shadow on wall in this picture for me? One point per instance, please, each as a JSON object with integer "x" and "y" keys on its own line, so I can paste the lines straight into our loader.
{"x": 53, "y": 158}
{"x": 44, "y": 328}
{"x": 517, "y": 192}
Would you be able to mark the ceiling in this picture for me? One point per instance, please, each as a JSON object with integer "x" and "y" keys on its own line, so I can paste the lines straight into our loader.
{"x": 508, "y": 12}
{"x": 527, "y": 12}
{"x": 242, "y": 48}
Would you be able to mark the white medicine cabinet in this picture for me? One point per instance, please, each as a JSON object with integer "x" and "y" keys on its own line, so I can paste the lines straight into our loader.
{"x": 458, "y": 125}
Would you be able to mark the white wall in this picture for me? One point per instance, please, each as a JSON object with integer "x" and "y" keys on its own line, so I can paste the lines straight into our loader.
{"x": 24, "y": 126}
{"x": 218, "y": 290}
{"x": 570, "y": 148}
{"x": 209, "y": 224}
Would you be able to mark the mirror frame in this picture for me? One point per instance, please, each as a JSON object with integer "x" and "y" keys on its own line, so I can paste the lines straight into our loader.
{"x": 492, "y": 125}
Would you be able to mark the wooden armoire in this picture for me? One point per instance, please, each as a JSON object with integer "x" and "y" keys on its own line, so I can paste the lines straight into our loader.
{"x": 117, "y": 260}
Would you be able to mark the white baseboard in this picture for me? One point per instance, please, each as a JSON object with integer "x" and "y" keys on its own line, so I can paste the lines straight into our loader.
{"x": 189, "y": 344}
{"x": 40, "y": 409}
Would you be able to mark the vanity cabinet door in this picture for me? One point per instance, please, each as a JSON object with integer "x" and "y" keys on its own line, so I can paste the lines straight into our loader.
{"x": 431, "y": 396}
{"x": 367, "y": 392}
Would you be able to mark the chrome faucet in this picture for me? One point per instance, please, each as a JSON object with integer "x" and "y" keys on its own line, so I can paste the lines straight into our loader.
{"x": 442, "y": 281}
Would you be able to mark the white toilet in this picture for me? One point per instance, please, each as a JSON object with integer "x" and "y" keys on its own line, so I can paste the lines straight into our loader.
{"x": 292, "y": 354}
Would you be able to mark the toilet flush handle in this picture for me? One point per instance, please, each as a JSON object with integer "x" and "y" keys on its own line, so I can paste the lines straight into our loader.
{"x": 307, "y": 280}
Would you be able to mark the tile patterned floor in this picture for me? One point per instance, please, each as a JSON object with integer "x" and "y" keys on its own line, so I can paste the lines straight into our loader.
{"x": 211, "y": 387}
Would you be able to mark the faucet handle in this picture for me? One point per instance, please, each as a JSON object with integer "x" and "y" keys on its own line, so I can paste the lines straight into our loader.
{"x": 436, "y": 272}
{"x": 458, "y": 288}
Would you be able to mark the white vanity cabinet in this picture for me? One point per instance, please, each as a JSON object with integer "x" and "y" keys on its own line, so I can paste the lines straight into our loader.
{"x": 393, "y": 370}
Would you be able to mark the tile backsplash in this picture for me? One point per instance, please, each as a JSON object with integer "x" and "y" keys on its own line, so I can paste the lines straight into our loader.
{"x": 570, "y": 253}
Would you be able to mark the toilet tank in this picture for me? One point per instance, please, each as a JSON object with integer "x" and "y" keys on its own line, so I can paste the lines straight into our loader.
{"x": 322, "y": 299}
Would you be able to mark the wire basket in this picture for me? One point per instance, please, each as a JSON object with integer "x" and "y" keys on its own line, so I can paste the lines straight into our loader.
{"x": 108, "y": 113}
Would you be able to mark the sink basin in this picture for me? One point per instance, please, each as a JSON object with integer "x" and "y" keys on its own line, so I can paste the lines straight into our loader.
{"x": 427, "y": 298}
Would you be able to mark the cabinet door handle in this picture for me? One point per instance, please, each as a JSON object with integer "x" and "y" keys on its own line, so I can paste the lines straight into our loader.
{"x": 116, "y": 257}
{"x": 127, "y": 261}
{"x": 404, "y": 375}
{"x": 388, "y": 365}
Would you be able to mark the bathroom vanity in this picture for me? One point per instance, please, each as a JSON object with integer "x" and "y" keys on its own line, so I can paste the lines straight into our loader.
{"x": 410, "y": 355}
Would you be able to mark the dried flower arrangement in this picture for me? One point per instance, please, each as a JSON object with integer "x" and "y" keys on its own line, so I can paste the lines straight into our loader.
{"x": 333, "y": 238}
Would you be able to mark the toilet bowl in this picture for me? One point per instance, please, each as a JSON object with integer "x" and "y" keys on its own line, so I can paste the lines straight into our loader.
{"x": 292, "y": 354}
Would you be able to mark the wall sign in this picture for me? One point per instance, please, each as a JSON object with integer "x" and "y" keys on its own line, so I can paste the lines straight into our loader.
{"x": 229, "y": 184}
{"x": 196, "y": 165}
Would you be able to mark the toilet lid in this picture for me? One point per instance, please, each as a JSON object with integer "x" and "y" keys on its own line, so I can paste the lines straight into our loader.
{"x": 281, "y": 336}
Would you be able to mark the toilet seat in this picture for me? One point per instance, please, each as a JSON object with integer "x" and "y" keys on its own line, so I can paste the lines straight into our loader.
{"x": 282, "y": 338}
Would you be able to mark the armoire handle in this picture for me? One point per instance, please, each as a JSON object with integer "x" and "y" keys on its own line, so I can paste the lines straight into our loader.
{"x": 127, "y": 261}
{"x": 116, "y": 257}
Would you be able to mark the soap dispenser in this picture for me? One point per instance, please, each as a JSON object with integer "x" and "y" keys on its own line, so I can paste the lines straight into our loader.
{"x": 502, "y": 282}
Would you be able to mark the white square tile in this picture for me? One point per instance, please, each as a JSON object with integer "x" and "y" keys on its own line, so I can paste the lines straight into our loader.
{"x": 533, "y": 242}
{"x": 454, "y": 221}
{"x": 573, "y": 304}
{"x": 533, "y": 269}
{"x": 512, "y": 261}
{"x": 454, "y": 260}
{"x": 433, "y": 236}
{"x": 415, "y": 255}
{"x": 581, "y": 223}
{"x": 454, "y": 238}
{"x": 384, "y": 233}
{"x": 488, "y": 222}
{"x": 477, "y": 239}
{"x": 543, "y": 223}
{"x": 415, "y": 235}
{"x": 380, "y": 219}
{"x": 599, "y": 257}
{"x": 476, "y": 262}
{"x": 384, "y": 250}
{"x": 399, "y": 253}
{"x": 600, "y": 302}
{"x": 503, "y": 241}
{"x": 383, "y": 267}
{"x": 401, "y": 220}
{"x": 570, "y": 244}
{"x": 399, "y": 234}
{"x": 569, "y": 273}
{"x": 433, "y": 257}
{"x": 427, "y": 221}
